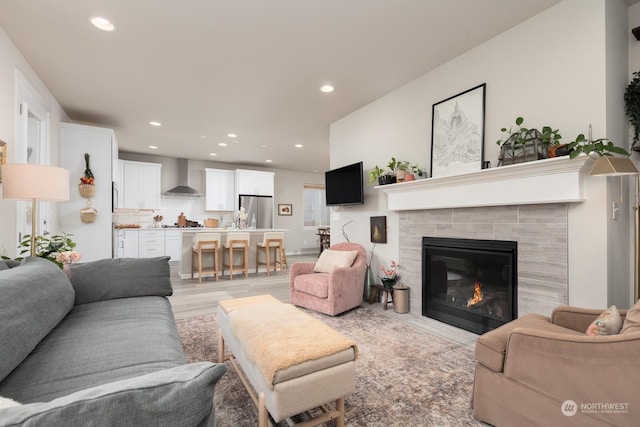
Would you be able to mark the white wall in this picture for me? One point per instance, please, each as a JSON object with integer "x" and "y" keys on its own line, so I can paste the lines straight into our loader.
{"x": 289, "y": 186}
{"x": 10, "y": 60}
{"x": 551, "y": 69}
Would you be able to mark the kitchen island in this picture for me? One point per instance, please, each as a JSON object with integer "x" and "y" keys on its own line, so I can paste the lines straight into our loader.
{"x": 186, "y": 239}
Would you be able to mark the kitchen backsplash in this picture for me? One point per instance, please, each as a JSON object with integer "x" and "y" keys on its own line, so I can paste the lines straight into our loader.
{"x": 172, "y": 207}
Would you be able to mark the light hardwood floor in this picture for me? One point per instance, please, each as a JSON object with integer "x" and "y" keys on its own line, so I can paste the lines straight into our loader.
{"x": 191, "y": 298}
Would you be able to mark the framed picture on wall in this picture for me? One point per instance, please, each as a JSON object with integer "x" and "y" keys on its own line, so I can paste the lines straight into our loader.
{"x": 378, "y": 229}
{"x": 457, "y": 133}
{"x": 285, "y": 209}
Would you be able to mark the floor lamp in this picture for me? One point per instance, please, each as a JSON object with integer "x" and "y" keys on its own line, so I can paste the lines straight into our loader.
{"x": 617, "y": 166}
{"x": 35, "y": 183}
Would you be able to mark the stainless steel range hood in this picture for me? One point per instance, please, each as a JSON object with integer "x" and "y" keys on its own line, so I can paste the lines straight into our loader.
{"x": 183, "y": 189}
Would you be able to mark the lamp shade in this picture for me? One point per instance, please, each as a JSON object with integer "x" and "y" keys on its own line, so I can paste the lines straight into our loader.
{"x": 607, "y": 165}
{"x": 29, "y": 182}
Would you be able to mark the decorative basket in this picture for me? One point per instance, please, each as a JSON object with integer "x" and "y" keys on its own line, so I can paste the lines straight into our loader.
{"x": 88, "y": 214}
{"x": 87, "y": 190}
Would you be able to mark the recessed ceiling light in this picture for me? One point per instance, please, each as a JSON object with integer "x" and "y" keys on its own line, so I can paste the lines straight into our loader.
{"x": 222, "y": 144}
{"x": 327, "y": 88}
{"x": 232, "y": 135}
{"x": 298, "y": 146}
{"x": 268, "y": 161}
{"x": 153, "y": 147}
{"x": 102, "y": 23}
{"x": 155, "y": 123}
{"x": 263, "y": 146}
{"x": 212, "y": 154}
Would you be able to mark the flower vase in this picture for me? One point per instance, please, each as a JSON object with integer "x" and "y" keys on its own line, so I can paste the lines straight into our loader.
{"x": 369, "y": 281}
{"x": 388, "y": 283}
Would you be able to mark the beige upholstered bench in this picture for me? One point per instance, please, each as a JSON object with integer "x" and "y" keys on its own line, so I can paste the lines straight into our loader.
{"x": 288, "y": 361}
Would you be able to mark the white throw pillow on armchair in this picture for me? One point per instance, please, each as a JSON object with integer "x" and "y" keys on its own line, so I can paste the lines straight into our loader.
{"x": 330, "y": 259}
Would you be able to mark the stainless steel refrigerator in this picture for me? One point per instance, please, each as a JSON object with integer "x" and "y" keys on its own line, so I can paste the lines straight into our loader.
{"x": 258, "y": 207}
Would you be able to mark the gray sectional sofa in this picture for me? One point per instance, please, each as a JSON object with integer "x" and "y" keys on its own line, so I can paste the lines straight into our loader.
{"x": 100, "y": 348}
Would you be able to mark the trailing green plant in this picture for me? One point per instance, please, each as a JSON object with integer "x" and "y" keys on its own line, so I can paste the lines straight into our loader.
{"x": 393, "y": 165}
{"x": 376, "y": 173}
{"x": 632, "y": 105}
{"x": 47, "y": 247}
{"x": 601, "y": 146}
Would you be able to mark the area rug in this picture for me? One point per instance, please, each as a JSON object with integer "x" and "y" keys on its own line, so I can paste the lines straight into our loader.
{"x": 404, "y": 375}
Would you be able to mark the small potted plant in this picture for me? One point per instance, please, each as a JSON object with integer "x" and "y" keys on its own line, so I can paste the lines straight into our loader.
{"x": 402, "y": 168}
{"x": 418, "y": 172}
{"x": 390, "y": 276}
{"x": 381, "y": 176}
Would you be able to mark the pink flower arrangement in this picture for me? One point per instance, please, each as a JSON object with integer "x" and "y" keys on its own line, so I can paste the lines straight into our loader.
{"x": 67, "y": 257}
{"x": 391, "y": 273}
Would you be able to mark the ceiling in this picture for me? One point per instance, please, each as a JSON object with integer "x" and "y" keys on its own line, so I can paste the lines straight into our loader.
{"x": 207, "y": 68}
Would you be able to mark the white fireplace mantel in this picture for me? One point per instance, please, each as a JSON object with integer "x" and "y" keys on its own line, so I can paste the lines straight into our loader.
{"x": 543, "y": 181}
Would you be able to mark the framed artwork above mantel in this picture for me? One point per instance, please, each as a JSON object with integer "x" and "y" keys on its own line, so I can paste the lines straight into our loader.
{"x": 457, "y": 133}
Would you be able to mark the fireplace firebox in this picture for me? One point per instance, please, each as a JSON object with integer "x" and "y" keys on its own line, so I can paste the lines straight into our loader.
{"x": 469, "y": 283}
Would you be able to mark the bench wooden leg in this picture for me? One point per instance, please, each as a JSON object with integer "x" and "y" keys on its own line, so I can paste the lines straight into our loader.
{"x": 220, "y": 347}
{"x": 340, "y": 409}
{"x": 263, "y": 415}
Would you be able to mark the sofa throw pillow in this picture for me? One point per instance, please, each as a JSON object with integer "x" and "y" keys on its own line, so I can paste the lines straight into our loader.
{"x": 3, "y": 265}
{"x": 608, "y": 323}
{"x": 180, "y": 396}
{"x": 120, "y": 278}
{"x": 632, "y": 320}
{"x": 34, "y": 297}
{"x": 330, "y": 259}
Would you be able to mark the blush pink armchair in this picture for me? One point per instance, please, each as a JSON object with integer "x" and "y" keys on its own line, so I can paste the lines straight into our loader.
{"x": 330, "y": 293}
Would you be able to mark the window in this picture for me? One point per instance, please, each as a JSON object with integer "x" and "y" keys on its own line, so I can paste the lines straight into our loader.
{"x": 316, "y": 212}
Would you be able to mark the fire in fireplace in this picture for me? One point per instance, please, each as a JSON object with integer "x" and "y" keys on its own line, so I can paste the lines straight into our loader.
{"x": 469, "y": 283}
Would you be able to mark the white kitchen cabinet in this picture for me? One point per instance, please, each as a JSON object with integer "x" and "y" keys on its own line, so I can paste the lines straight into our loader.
{"x": 220, "y": 189}
{"x": 140, "y": 184}
{"x": 127, "y": 242}
{"x": 259, "y": 183}
{"x": 172, "y": 244}
{"x": 150, "y": 243}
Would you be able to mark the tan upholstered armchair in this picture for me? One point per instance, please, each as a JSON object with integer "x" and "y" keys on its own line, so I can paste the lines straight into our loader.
{"x": 330, "y": 293}
{"x": 531, "y": 369}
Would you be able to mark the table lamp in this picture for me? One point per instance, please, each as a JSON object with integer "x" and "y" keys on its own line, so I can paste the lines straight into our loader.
{"x": 618, "y": 166}
{"x": 35, "y": 183}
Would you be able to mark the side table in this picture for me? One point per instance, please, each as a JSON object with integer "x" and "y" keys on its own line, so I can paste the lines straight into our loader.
{"x": 377, "y": 290}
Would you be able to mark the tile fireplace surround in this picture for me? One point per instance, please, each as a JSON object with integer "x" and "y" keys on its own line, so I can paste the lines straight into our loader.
{"x": 531, "y": 203}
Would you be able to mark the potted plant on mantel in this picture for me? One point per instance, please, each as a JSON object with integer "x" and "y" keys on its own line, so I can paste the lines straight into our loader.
{"x": 524, "y": 145}
{"x": 600, "y": 146}
{"x": 632, "y": 107}
{"x": 380, "y": 175}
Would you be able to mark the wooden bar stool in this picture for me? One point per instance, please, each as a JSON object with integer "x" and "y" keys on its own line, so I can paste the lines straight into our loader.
{"x": 205, "y": 243}
{"x": 272, "y": 240}
{"x": 236, "y": 242}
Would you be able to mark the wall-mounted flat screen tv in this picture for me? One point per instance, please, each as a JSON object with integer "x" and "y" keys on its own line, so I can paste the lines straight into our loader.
{"x": 345, "y": 185}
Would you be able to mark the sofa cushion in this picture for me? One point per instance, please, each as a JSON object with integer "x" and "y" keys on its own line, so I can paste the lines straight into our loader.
{"x": 632, "y": 320}
{"x": 3, "y": 265}
{"x": 330, "y": 259}
{"x": 34, "y": 298}
{"x": 98, "y": 343}
{"x": 316, "y": 284}
{"x": 491, "y": 346}
{"x": 120, "y": 278}
{"x": 180, "y": 396}
{"x": 608, "y": 323}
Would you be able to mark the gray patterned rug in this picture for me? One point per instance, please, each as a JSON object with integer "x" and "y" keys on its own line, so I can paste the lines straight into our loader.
{"x": 404, "y": 376}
